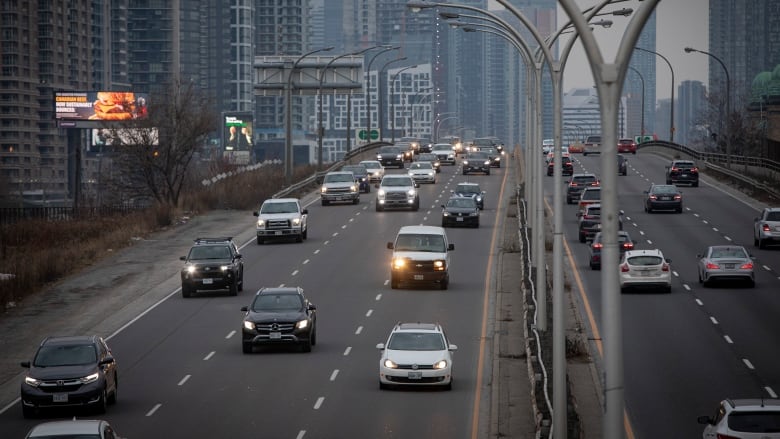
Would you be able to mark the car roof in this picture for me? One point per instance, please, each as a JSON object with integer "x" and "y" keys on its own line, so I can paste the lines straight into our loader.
{"x": 754, "y": 403}
{"x": 69, "y": 339}
{"x": 373, "y": 162}
{"x": 467, "y": 183}
{"x": 592, "y": 188}
{"x": 646, "y": 252}
{"x": 584, "y": 174}
{"x": 423, "y": 230}
{"x": 338, "y": 172}
{"x": 72, "y": 427}
{"x": 417, "y": 327}
{"x": 682, "y": 162}
{"x": 214, "y": 240}
{"x": 280, "y": 200}
{"x": 279, "y": 290}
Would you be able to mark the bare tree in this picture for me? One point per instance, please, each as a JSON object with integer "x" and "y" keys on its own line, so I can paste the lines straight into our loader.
{"x": 153, "y": 155}
{"x": 738, "y": 129}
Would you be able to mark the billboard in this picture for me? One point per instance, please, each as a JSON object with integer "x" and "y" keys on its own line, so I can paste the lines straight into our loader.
{"x": 237, "y": 131}
{"x": 125, "y": 136}
{"x": 100, "y": 106}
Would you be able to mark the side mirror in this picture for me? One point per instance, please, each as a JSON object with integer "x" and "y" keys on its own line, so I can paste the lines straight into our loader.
{"x": 239, "y": 256}
{"x": 416, "y": 185}
{"x": 182, "y": 258}
{"x": 390, "y": 245}
{"x": 255, "y": 213}
{"x": 453, "y": 347}
{"x": 451, "y": 247}
{"x": 305, "y": 212}
{"x": 668, "y": 261}
{"x": 311, "y": 307}
{"x": 443, "y": 206}
{"x": 244, "y": 308}
{"x": 380, "y": 346}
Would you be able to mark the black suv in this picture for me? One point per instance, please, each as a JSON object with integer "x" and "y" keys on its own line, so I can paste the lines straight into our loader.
{"x": 682, "y": 171}
{"x": 77, "y": 371}
{"x": 212, "y": 264}
{"x": 476, "y": 162}
{"x": 391, "y": 156}
{"x": 577, "y": 183}
{"x": 279, "y": 316}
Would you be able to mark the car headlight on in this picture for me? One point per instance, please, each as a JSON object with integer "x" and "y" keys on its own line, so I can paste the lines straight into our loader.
{"x": 438, "y": 265}
{"x": 190, "y": 269}
{"x": 260, "y": 224}
{"x": 487, "y": 162}
{"x": 445, "y": 213}
{"x": 430, "y": 174}
{"x": 399, "y": 156}
{"x": 478, "y": 198}
{"x": 390, "y": 364}
{"x": 302, "y": 324}
{"x": 353, "y": 188}
{"x": 451, "y": 156}
{"x": 224, "y": 267}
{"x": 249, "y": 325}
{"x": 442, "y": 364}
{"x": 323, "y": 190}
{"x": 91, "y": 378}
{"x": 399, "y": 263}
{"x": 379, "y": 157}
{"x": 412, "y": 192}
{"x": 474, "y": 213}
{"x": 296, "y": 221}
{"x": 30, "y": 381}
{"x": 381, "y": 193}
{"x": 465, "y": 162}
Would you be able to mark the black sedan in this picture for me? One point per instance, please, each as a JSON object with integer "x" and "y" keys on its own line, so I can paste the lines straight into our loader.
{"x": 663, "y": 197}
{"x": 279, "y": 316}
{"x": 460, "y": 211}
{"x": 468, "y": 189}
{"x": 391, "y": 156}
{"x": 476, "y": 162}
{"x": 624, "y": 243}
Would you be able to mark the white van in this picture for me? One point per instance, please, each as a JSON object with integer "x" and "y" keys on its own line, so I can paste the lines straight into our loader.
{"x": 421, "y": 254}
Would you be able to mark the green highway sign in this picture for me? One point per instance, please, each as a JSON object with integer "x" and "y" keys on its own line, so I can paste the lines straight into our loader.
{"x": 362, "y": 134}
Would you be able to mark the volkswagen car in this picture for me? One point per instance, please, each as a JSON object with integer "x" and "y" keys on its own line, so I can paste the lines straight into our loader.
{"x": 422, "y": 172}
{"x": 460, "y": 211}
{"x": 416, "y": 354}
{"x": 663, "y": 197}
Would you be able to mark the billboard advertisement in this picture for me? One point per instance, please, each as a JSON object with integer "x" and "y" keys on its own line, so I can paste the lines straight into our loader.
{"x": 237, "y": 138}
{"x": 100, "y": 105}
{"x": 125, "y": 136}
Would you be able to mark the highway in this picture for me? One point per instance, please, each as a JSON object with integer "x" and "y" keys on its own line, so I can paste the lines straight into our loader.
{"x": 685, "y": 352}
{"x": 183, "y": 374}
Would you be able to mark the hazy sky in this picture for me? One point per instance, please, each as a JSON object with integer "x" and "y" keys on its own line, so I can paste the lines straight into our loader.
{"x": 679, "y": 23}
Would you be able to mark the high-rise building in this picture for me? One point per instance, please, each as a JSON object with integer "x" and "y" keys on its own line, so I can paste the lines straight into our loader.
{"x": 691, "y": 103}
{"x": 642, "y": 79}
{"x": 582, "y": 115}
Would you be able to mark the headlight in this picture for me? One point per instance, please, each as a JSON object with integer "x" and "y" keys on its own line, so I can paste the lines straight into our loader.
{"x": 381, "y": 193}
{"x": 440, "y": 364}
{"x": 479, "y": 198}
{"x": 261, "y": 223}
{"x": 249, "y": 325}
{"x": 190, "y": 269}
{"x": 430, "y": 174}
{"x": 487, "y": 162}
{"x": 353, "y": 188}
{"x": 324, "y": 189}
{"x": 30, "y": 381}
{"x": 302, "y": 324}
{"x": 379, "y": 157}
{"x": 465, "y": 162}
{"x": 224, "y": 267}
{"x": 474, "y": 213}
{"x": 296, "y": 221}
{"x": 399, "y": 263}
{"x": 445, "y": 213}
{"x": 399, "y": 156}
{"x": 452, "y": 156}
{"x": 90, "y": 378}
{"x": 412, "y": 192}
{"x": 390, "y": 364}
{"x": 438, "y": 265}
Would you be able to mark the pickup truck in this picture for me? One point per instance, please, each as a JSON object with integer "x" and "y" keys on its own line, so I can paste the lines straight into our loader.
{"x": 766, "y": 228}
{"x": 281, "y": 218}
{"x": 592, "y": 145}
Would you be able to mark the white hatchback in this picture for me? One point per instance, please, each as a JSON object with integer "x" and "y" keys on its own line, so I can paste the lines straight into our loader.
{"x": 76, "y": 428}
{"x": 646, "y": 269}
{"x": 743, "y": 419}
{"x": 416, "y": 354}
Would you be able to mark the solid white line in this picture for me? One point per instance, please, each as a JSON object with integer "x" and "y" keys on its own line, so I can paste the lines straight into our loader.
{"x": 728, "y": 339}
{"x": 306, "y": 261}
{"x": 294, "y": 272}
{"x": 368, "y": 314}
{"x": 334, "y": 375}
{"x": 208, "y": 357}
{"x": 770, "y": 392}
{"x": 184, "y": 380}
{"x": 359, "y": 330}
{"x": 347, "y": 350}
{"x": 714, "y": 321}
{"x": 379, "y": 297}
{"x": 230, "y": 334}
{"x": 319, "y": 402}
{"x": 301, "y": 434}
{"x": 748, "y": 364}
{"x": 154, "y": 409}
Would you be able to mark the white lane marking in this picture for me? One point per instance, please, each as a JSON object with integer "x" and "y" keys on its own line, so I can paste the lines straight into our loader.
{"x": 154, "y": 409}
{"x": 281, "y": 285}
{"x": 351, "y": 219}
{"x": 728, "y": 238}
{"x": 704, "y": 221}
{"x": 294, "y": 272}
{"x": 306, "y": 261}
{"x": 713, "y": 320}
{"x": 699, "y": 302}
{"x": 359, "y": 330}
{"x": 358, "y": 213}
{"x": 766, "y": 268}
{"x": 650, "y": 242}
{"x": 675, "y": 273}
{"x": 334, "y": 375}
{"x": 728, "y": 339}
{"x": 387, "y": 281}
{"x": 696, "y": 215}
{"x": 184, "y": 380}
{"x": 714, "y": 229}
{"x": 319, "y": 402}
{"x": 230, "y": 334}
{"x": 379, "y": 297}
{"x": 208, "y": 357}
{"x": 301, "y": 434}
{"x": 770, "y": 392}
{"x": 344, "y": 226}
{"x": 687, "y": 287}
{"x": 642, "y": 233}
{"x": 748, "y": 364}
{"x": 327, "y": 241}
{"x": 347, "y": 350}
{"x": 370, "y": 311}
{"x": 335, "y": 234}
{"x": 316, "y": 251}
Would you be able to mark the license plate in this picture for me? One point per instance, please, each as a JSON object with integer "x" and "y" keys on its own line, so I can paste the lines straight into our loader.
{"x": 208, "y": 281}
{"x": 417, "y": 375}
{"x": 729, "y": 266}
{"x": 458, "y": 219}
{"x": 276, "y": 335}
{"x": 60, "y": 397}
{"x": 419, "y": 277}
{"x": 666, "y": 198}
{"x": 278, "y": 232}
{"x": 645, "y": 273}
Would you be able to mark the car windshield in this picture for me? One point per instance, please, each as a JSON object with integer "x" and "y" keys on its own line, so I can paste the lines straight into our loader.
{"x": 284, "y": 207}
{"x": 584, "y": 179}
{"x": 277, "y": 302}
{"x": 371, "y": 165}
{"x": 467, "y": 189}
{"x": 395, "y": 181}
{"x": 488, "y": 150}
{"x": 339, "y": 178}
{"x": 754, "y": 422}
{"x": 591, "y": 195}
{"x": 645, "y": 260}
{"x": 209, "y": 252}
{"x": 416, "y": 341}
{"x": 684, "y": 165}
{"x": 442, "y": 147}
{"x": 728, "y": 252}
{"x": 390, "y": 150}
{"x": 420, "y": 165}
{"x": 68, "y": 436}
{"x": 420, "y": 243}
{"x": 664, "y": 190}
{"x": 65, "y": 355}
{"x": 773, "y": 216}
{"x": 357, "y": 170}
{"x": 477, "y": 156}
{"x": 462, "y": 202}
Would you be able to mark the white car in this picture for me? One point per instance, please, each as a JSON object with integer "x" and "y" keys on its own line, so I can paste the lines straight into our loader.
{"x": 375, "y": 169}
{"x": 76, "y": 428}
{"x": 743, "y": 419}
{"x": 416, "y": 354}
{"x": 645, "y": 269}
{"x": 422, "y": 172}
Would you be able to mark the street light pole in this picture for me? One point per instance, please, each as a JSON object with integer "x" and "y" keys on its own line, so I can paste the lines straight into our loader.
{"x": 642, "y": 79}
{"x": 392, "y": 98}
{"x": 368, "y": 88}
{"x": 438, "y": 126}
{"x": 288, "y": 148}
{"x": 381, "y": 95}
{"x": 671, "y": 112}
{"x": 728, "y": 99}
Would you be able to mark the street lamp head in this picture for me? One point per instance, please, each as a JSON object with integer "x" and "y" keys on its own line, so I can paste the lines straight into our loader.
{"x": 689, "y": 49}
{"x": 448, "y": 15}
{"x": 454, "y": 24}
{"x": 417, "y": 6}
{"x": 327, "y": 49}
{"x": 603, "y": 23}
{"x": 469, "y": 29}
{"x": 625, "y": 12}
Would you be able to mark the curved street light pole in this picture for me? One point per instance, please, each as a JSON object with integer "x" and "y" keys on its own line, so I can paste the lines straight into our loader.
{"x": 728, "y": 99}
{"x": 368, "y": 88}
{"x": 288, "y": 147}
{"x": 441, "y": 122}
{"x": 641, "y": 78}
{"x": 392, "y": 98}
{"x": 436, "y": 122}
{"x": 671, "y": 110}
{"x": 379, "y": 89}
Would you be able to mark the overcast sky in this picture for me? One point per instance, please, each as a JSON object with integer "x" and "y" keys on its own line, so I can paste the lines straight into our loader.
{"x": 679, "y": 23}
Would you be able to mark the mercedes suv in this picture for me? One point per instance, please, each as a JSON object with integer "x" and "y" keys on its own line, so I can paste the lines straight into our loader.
{"x": 279, "y": 316}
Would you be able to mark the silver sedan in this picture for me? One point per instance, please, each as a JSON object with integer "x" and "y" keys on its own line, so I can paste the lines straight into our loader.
{"x": 726, "y": 262}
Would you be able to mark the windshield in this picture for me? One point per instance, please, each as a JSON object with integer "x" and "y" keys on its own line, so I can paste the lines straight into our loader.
{"x": 420, "y": 165}
{"x": 584, "y": 179}
{"x": 462, "y": 202}
{"x": 339, "y": 178}
{"x": 477, "y": 156}
{"x": 645, "y": 260}
{"x": 65, "y": 355}
{"x": 467, "y": 189}
{"x": 665, "y": 189}
{"x": 371, "y": 165}
{"x": 277, "y": 302}
{"x": 420, "y": 243}
{"x": 395, "y": 181}
{"x": 591, "y": 195}
{"x": 209, "y": 252}
{"x": 357, "y": 170}
{"x": 390, "y": 150}
{"x": 414, "y": 341}
{"x": 284, "y": 207}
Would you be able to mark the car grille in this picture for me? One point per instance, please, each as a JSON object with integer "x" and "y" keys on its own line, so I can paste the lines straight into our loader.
{"x": 421, "y": 266}
{"x": 442, "y": 156}
{"x": 275, "y": 327}
{"x": 208, "y": 271}
{"x": 395, "y": 196}
{"x": 277, "y": 224}
{"x": 339, "y": 190}
{"x": 415, "y": 366}
{"x": 60, "y": 386}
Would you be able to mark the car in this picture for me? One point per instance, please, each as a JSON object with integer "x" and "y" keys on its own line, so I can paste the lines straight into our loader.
{"x": 421, "y": 254}
{"x": 391, "y": 156}
{"x": 212, "y": 264}
{"x": 460, "y": 211}
{"x": 422, "y": 172}
{"x": 625, "y": 243}
{"x": 493, "y": 154}
{"x": 468, "y": 189}
{"x": 426, "y": 146}
{"x": 413, "y": 142}
{"x": 626, "y": 146}
{"x": 663, "y": 197}
{"x": 547, "y": 146}
{"x": 590, "y": 221}
{"x": 444, "y": 152}
{"x": 375, "y": 170}
{"x": 682, "y": 172}
{"x": 645, "y": 269}
{"x": 278, "y": 316}
{"x": 589, "y": 195}
{"x": 566, "y": 169}
{"x": 748, "y": 418}
{"x": 428, "y": 157}
{"x": 416, "y": 354}
{"x": 766, "y": 227}
{"x": 282, "y": 218}
{"x": 397, "y": 190}
{"x": 407, "y": 149}
{"x": 725, "y": 263}
{"x": 339, "y": 186}
{"x": 361, "y": 176}
{"x": 577, "y": 183}
{"x": 551, "y": 155}
{"x": 476, "y": 161}
{"x": 576, "y": 148}
{"x": 592, "y": 145}
{"x": 72, "y": 429}
{"x": 622, "y": 165}
{"x": 70, "y": 371}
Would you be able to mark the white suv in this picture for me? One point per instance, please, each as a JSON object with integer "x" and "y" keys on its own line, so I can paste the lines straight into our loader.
{"x": 766, "y": 228}
{"x": 421, "y": 254}
{"x": 743, "y": 419}
{"x": 397, "y": 190}
{"x": 416, "y": 354}
{"x": 281, "y": 218}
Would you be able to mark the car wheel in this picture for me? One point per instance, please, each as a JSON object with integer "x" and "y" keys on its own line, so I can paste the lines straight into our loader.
{"x": 299, "y": 238}
{"x": 416, "y": 206}
{"x": 487, "y": 173}
{"x": 186, "y": 291}
{"x": 755, "y": 242}
{"x": 668, "y": 181}
{"x": 582, "y": 237}
{"x": 383, "y": 386}
{"x": 233, "y": 289}
{"x": 314, "y": 336}
{"x": 306, "y": 346}
{"x": 100, "y": 406}
{"x": 246, "y": 347}
{"x": 761, "y": 244}
{"x": 465, "y": 173}
{"x": 394, "y": 282}
{"x": 241, "y": 281}
{"x": 356, "y": 201}
{"x": 696, "y": 184}
{"x": 448, "y": 386}
{"x": 623, "y": 290}
{"x": 259, "y": 241}
{"x": 668, "y": 290}
{"x": 444, "y": 284}
{"x": 368, "y": 189}
{"x": 378, "y": 207}
{"x": 751, "y": 283}
{"x": 701, "y": 281}
{"x": 324, "y": 202}
{"x": 476, "y": 225}
{"x": 679, "y": 209}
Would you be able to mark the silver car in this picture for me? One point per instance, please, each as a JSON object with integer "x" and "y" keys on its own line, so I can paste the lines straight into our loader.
{"x": 645, "y": 269}
{"x": 726, "y": 262}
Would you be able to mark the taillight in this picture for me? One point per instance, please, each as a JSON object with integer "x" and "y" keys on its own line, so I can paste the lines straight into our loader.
{"x": 596, "y": 183}
{"x": 596, "y": 245}
{"x": 665, "y": 267}
{"x": 573, "y": 184}
{"x": 711, "y": 266}
{"x": 725, "y": 436}
{"x": 694, "y": 170}
{"x": 746, "y": 266}
{"x": 674, "y": 169}
{"x": 653, "y": 197}
{"x": 765, "y": 227}
{"x": 678, "y": 197}
{"x": 624, "y": 268}
{"x": 628, "y": 245}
